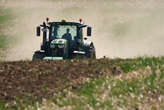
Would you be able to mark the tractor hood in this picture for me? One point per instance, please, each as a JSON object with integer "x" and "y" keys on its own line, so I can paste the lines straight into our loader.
{"x": 58, "y": 50}
{"x": 53, "y": 58}
{"x": 57, "y": 42}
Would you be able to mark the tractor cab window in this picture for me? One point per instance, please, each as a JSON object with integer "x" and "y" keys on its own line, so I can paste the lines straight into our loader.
{"x": 64, "y": 32}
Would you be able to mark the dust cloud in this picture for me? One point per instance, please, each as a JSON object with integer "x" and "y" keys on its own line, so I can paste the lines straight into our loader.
{"x": 121, "y": 28}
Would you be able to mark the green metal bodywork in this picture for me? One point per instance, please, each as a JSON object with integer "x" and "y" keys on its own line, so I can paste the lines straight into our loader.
{"x": 58, "y": 43}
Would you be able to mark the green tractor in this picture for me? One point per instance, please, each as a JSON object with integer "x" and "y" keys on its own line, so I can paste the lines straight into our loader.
{"x": 65, "y": 41}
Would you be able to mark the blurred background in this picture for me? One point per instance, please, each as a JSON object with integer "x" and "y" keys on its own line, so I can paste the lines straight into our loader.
{"x": 121, "y": 28}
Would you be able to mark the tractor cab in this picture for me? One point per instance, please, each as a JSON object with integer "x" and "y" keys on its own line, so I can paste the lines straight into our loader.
{"x": 64, "y": 41}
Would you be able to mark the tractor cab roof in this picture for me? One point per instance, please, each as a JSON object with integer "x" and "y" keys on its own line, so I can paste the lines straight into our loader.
{"x": 67, "y": 23}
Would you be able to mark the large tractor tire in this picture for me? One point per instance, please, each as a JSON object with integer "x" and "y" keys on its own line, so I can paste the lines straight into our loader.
{"x": 91, "y": 52}
{"x": 38, "y": 55}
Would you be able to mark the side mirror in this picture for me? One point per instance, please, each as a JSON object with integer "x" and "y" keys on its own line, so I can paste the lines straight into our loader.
{"x": 38, "y": 30}
{"x": 89, "y": 31}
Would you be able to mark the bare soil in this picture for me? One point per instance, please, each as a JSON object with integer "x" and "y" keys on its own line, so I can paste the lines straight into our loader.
{"x": 33, "y": 81}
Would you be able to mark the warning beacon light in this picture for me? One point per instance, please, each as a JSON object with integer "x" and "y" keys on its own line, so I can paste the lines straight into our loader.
{"x": 47, "y": 19}
{"x": 80, "y": 20}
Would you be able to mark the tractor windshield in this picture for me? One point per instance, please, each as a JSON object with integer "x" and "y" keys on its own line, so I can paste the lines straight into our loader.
{"x": 64, "y": 31}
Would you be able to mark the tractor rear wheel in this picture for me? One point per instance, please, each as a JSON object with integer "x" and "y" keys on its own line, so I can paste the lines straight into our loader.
{"x": 92, "y": 52}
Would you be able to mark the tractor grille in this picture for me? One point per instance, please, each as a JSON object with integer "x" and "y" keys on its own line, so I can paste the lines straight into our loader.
{"x": 58, "y": 52}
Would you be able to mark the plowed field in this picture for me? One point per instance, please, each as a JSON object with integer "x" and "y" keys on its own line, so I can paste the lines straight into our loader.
{"x": 36, "y": 80}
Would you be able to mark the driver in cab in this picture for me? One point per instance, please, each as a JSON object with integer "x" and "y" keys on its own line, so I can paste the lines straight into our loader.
{"x": 67, "y": 35}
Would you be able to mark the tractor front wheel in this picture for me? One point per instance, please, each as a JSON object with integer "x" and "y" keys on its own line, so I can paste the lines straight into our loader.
{"x": 38, "y": 55}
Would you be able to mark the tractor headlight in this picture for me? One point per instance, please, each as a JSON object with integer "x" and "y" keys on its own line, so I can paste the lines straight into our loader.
{"x": 60, "y": 46}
